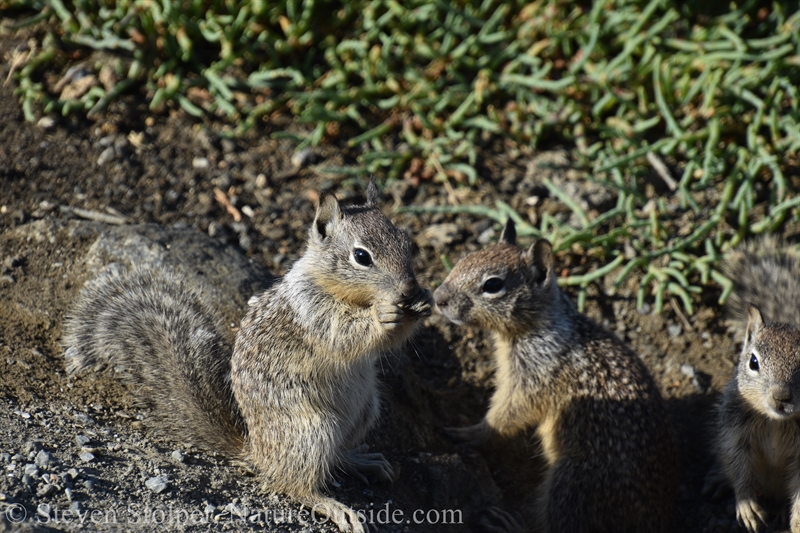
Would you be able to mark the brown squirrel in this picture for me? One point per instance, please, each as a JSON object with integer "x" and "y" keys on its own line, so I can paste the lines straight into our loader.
{"x": 600, "y": 417}
{"x": 758, "y": 423}
{"x": 298, "y": 391}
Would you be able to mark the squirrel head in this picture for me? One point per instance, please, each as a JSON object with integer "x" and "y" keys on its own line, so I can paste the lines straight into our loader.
{"x": 503, "y": 288}
{"x": 768, "y": 375}
{"x": 356, "y": 254}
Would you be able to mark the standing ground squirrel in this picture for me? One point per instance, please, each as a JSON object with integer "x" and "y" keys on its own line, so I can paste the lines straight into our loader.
{"x": 300, "y": 391}
{"x": 758, "y": 434}
{"x": 601, "y": 419}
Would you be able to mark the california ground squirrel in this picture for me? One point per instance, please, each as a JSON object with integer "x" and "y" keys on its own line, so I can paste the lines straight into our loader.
{"x": 601, "y": 419}
{"x": 758, "y": 435}
{"x": 300, "y": 390}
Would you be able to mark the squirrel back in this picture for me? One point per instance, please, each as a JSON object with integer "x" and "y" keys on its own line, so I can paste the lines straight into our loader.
{"x": 156, "y": 333}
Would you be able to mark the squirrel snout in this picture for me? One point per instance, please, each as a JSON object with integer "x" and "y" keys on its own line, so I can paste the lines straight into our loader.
{"x": 441, "y": 296}
{"x": 409, "y": 288}
{"x": 781, "y": 392}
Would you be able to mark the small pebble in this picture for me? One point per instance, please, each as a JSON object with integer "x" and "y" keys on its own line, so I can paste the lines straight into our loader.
{"x": 43, "y": 510}
{"x": 43, "y": 459}
{"x": 5, "y": 457}
{"x": 674, "y": 330}
{"x": 72, "y": 473}
{"x": 46, "y": 122}
{"x": 227, "y": 145}
{"x": 12, "y": 262}
{"x": 31, "y": 469}
{"x": 487, "y": 236}
{"x": 157, "y": 484}
{"x": 82, "y": 440}
{"x": 177, "y": 456}
{"x": 304, "y": 157}
{"x": 76, "y": 507}
{"x": 106, "y": 156}
{"x": 46, "y": 490}
{"x": 688, "y": 370}
{"x": 200, "y": 163}
{"x": 87, "y": 457}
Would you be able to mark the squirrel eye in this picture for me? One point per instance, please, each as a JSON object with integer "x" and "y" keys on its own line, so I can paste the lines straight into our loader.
{"x": 493, "y": 285}
{"x": 362, "y": 257}
{"x": 754, "y": 363}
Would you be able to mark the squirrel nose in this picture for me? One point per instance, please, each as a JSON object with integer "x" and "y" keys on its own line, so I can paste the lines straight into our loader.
{"x": 781, "y": 392}
{"x": 440, "y": 296}
{"x": 410, "y": 288}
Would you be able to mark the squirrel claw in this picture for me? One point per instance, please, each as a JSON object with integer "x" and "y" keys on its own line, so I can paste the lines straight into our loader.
{"x": 750, "y": 515}
{"x": 389, "y": 315}
{"x": 359, "y": 462}
{"x": 420, "y": 305}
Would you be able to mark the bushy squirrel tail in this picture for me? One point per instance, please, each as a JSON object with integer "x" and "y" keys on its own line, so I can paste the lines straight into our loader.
{"x": 766, "y": 273}
{"x": 155, "y": 332}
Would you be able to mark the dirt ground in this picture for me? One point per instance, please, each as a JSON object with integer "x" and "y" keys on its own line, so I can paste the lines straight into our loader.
{"x": 142, "y": 168}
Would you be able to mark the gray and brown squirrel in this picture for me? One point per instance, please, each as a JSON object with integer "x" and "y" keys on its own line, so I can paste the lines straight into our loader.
{"x": 601, "y": 419}
{"x": 758, "y": 423}
{"x": 297, "y": 392}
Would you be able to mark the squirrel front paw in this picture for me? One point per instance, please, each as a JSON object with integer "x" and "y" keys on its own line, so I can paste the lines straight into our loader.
{"x": 750, "y": 515}
{"x": 389, "y": 314}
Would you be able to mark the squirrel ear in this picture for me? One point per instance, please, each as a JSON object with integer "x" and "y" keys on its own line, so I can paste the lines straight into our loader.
{"x": 754, "y": 323}
{"x": 372, "y": 193}
{"x": 509, "y": 233}
{"x": 328, "y": 214}
{"x": 540, "y": 260}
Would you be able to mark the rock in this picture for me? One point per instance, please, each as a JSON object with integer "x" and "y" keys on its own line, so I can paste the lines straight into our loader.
{"x": 43, "y": 459}
{"x": 87, "y": 457}
{"x": 82, "y": 440}
{"x": 46, "y": 490}
{"x": 177, "y": 455}
{"x": 200, "y": 163}
{"x": 46, "y": 123}
{"x": 157, "y": 484}
{"x": 31, "y": 470}
{"x": 106, "y": 156}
